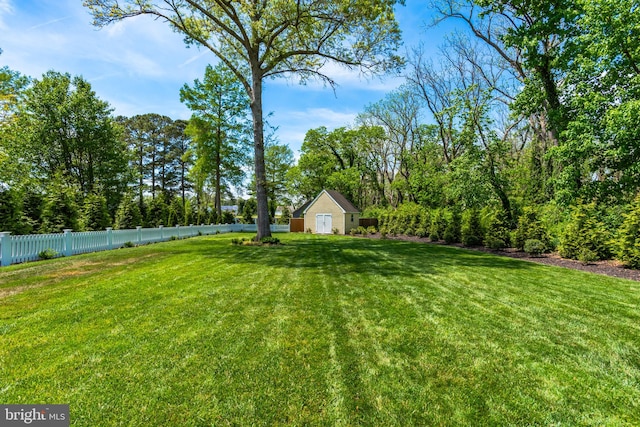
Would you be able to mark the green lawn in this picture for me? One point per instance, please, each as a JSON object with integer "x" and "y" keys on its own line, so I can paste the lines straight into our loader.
{"x": 318, "y": 331}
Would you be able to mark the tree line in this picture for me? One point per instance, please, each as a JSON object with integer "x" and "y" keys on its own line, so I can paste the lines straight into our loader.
{"x": 527, "y": 115}
{"x": 530, "y": 114}
{"x": 67, "y": 163}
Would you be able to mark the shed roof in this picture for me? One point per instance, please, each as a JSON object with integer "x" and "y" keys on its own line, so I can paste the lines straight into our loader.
{"x": 339, "y": 199}
{"x": 298, "y": 212}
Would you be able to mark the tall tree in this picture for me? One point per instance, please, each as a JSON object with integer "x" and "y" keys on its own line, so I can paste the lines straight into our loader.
{"x": 219, "y": 128}
{"x": 12, "y": 89}
{"x": 182, "y": 158}
{"x": 529, "y": 40}
{"x": 262, "y": 39}
{"x": 66, "y": 129}
{"x": 399, "y": 115}
{"x": 278, "y": 161}
{"x": 157, "y": 145}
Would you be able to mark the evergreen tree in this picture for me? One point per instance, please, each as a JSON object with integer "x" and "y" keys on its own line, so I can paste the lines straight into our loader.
{"x": 60, "y": 209}
{"x": 95, "y": 215}
{"x": 452, "y": 233}
{"x": 472, "y": 233}
{"x": 128, "y": 214}
{"x": 157, "y": 211}
{"x": 498, "y": 234}
{"x": 530, "y": 228}
{"x": 629, "y": 237}
{"x": 585, "y": 236}
{"x": 10, "y": 211}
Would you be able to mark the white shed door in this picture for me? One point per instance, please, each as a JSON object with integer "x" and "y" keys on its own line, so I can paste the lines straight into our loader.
{"x": 323, "y": 223}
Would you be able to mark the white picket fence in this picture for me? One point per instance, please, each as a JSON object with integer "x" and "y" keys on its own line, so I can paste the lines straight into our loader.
{"x": 17, "y": 249}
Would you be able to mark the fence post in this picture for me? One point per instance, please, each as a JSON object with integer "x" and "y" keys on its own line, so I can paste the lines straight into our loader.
{"x": 139, "y": 228}
{"x": 68, "y": 242}
{"x": 161, "y": 232}
{"x": 5, "y": 245}
{"x": 110, "y": 238}
{"x": 178, "y": 229}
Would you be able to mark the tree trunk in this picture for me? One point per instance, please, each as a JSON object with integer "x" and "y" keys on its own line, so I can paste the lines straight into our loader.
{"x": 264, "y": 229}
{"x": 182, "y": 185}
{"x": 141, "y": 179}
{"x": 218, "y": 198}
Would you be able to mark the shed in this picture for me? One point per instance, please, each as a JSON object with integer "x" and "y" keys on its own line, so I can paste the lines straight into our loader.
{"x": 331, "y": 211}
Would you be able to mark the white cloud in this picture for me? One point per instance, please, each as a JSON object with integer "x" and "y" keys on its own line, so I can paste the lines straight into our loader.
{"x": 143, "y": 30}
{"x": 293, "y": 125}
{"x": 5, "y": 9}
{"x": 348, "y": 79}
{"x": 44, "y": 24}
{"x": 137, "y": 63}
{"x": 194, "y": 58}
{"x": 324, "y": 116}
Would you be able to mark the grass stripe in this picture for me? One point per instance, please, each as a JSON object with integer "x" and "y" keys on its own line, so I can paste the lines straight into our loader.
{"x": 323, "y": 330}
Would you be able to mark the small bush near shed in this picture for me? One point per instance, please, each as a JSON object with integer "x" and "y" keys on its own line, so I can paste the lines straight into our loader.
{"x": 48, "y": 254}
{"x": 534, "y": 247}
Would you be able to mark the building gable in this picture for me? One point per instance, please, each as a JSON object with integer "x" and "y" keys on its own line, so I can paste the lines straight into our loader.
{"x": 338, "y": 199}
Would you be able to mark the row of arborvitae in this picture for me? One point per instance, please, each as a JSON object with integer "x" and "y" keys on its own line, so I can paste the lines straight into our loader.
{"x": 584, "y": 232}
{"x": 33, "y": 212}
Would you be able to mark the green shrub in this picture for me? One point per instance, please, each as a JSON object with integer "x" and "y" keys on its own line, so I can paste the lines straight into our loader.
{"x": 494, "y": 243}
{"x": 534, "y": 247}
{"x": 47, "y": 254}
{"x": 410, "y": 231}
{"x": 585, "y": 231}
{"x": 128, "y": 245}
{"x": 405, "y": 219}
{"x": 157, "y": 211}
{"x": 472, "y": 233}
{"x": 60, "y": 210}
{"x": 11, "y": 213}
{"x": 229, "y": 218}
{"x": 95, "y": 215}
{"x": 530, "y": 228}
{"x": 628, "y": 243}
{"x": 452, "y": 232}
{"x": 438, "y": 225}
{"x": 586, "y": 256}
{"x": 270, "y": 240}
{"x": 422, "y": 232}
{"x": 371, "y": 230}
{"x": 353, "y": 231}
{"x": 334, "y": 230}
{"x": 128, "y": 214}
{"x": 497, "y": 231}
{"x": 285, "y": 217}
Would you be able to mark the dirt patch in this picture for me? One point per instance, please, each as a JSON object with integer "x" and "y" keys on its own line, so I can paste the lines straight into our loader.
{"x": 606, "y": 268}
{"x": 131, "y": 260}
{"x": 7, "y": 292}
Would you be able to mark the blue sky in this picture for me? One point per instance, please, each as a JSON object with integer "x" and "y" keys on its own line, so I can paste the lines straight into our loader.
{"x": 139, "y": 65}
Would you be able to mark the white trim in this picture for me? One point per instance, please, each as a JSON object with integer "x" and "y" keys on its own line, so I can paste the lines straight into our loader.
{"x": 332, "y": 199}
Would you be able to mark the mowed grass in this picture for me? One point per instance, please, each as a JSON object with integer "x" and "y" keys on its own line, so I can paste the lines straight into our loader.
{"x": 319, "y": 331}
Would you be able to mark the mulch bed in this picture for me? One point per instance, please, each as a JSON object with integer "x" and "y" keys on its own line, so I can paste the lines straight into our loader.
{"x": 606, "y": 268}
